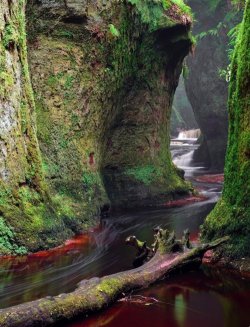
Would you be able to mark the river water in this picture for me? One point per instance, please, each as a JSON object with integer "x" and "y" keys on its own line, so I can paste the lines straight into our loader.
{"x": 208, "y": 297}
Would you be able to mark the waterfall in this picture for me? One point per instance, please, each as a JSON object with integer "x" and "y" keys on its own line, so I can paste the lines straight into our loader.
{"x": 183, "y": 151}
{"x": 191, "y": 134}
{"x": 184, "y": 161}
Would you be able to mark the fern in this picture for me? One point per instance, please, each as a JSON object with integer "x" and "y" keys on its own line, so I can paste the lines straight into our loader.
{"x": 152, "y": 11}
{"x": 211, "y": 32}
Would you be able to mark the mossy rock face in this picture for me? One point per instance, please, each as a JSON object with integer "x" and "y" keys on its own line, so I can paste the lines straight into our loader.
{"x": 20, "y": 160}
{"x": 103, "y": 75}
{"x": 182, "y": 112}
{"x": 107, "y": 79}
{"x": 232, "y": 214}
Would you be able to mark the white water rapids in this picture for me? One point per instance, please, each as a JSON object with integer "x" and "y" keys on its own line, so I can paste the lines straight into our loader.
{"x": 192, "y": 134}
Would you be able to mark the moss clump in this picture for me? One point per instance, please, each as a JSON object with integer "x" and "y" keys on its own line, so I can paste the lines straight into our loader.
{"x": 232, "y": 214}
{"x": 145, "y": 174}
{"x": 113, "y": 30}
{"x": 110, "y": 286}
{"x": 11, "y": 36}
{"x": 157, "y": 13}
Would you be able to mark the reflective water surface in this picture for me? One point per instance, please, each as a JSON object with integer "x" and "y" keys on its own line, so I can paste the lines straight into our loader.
{"x": 190, "y": 300}
{"x": 203, "y": 298}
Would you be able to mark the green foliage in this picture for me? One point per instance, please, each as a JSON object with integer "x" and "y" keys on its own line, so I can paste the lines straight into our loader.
{"x": 109, "y": 286}
{"x": 232, "y": 34}
{"x": 53, "y": 80}
{"x": 152, "y": 11}
{"x": 29, "y": 196}
{"x": 113, "y": 30}
{"x": 211, "y": 32}
{"x": 181, "y": 4}
{"x": 7, "y": 243}
{"x": 6, "y": 82}
{"x": 229, "y": 22}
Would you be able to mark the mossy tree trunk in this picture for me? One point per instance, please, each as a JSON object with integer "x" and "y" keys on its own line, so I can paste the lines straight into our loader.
{"x": 98, "y": 293}
{"x": 232, "y": 213}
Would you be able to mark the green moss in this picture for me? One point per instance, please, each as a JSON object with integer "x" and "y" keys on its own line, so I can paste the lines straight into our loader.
{"x": 147, "y": 174}
{"x": 80, "y": 91}
{"x": 183, "y": 7}
{"x": 153, "y": 12}
{"x": 232, "y": 214}
{"x": 113, "y": 30}
{"x": 90, "y": 179}
{"x": 110, "y": 286}
{"x": 11, "y": 36}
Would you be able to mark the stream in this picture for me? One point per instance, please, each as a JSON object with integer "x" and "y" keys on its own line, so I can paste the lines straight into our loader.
{"x": 208, "y": 297}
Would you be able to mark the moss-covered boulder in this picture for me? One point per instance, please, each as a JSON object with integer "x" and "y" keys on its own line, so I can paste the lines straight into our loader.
{"x": 231, "y": 216}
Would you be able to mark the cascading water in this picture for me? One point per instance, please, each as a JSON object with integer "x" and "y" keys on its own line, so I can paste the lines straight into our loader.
{"x": 192, "y": 134}
{"x": 184, "y": 161}
{"x": 183, "y": 149}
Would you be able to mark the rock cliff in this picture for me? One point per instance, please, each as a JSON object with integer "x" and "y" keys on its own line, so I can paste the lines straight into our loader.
{"x": 104, "y": 74}
{"x": 206, "y": 90}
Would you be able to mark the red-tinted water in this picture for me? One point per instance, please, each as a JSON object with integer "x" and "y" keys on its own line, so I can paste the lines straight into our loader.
{"x": 197, "y": 299}
{"x": 200, "y": 299}
{"x": 185, "y": 201}
{"x": 219, "y": 178}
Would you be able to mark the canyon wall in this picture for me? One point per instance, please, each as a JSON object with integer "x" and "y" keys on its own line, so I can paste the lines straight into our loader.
{"x": 182, "y": 112}
{"x": 104, "y": 79}
{"x": 103, "y": 75}
{"x": 206, "y": 90}
{"x": 22, "y": 188}
{"x": 231, "y": 215}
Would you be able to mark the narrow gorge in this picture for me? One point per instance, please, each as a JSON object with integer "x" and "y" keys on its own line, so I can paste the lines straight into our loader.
{"x": 124, "y": 163}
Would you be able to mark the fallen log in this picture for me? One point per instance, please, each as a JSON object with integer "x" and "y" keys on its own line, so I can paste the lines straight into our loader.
{"x": 98, "y": 293}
